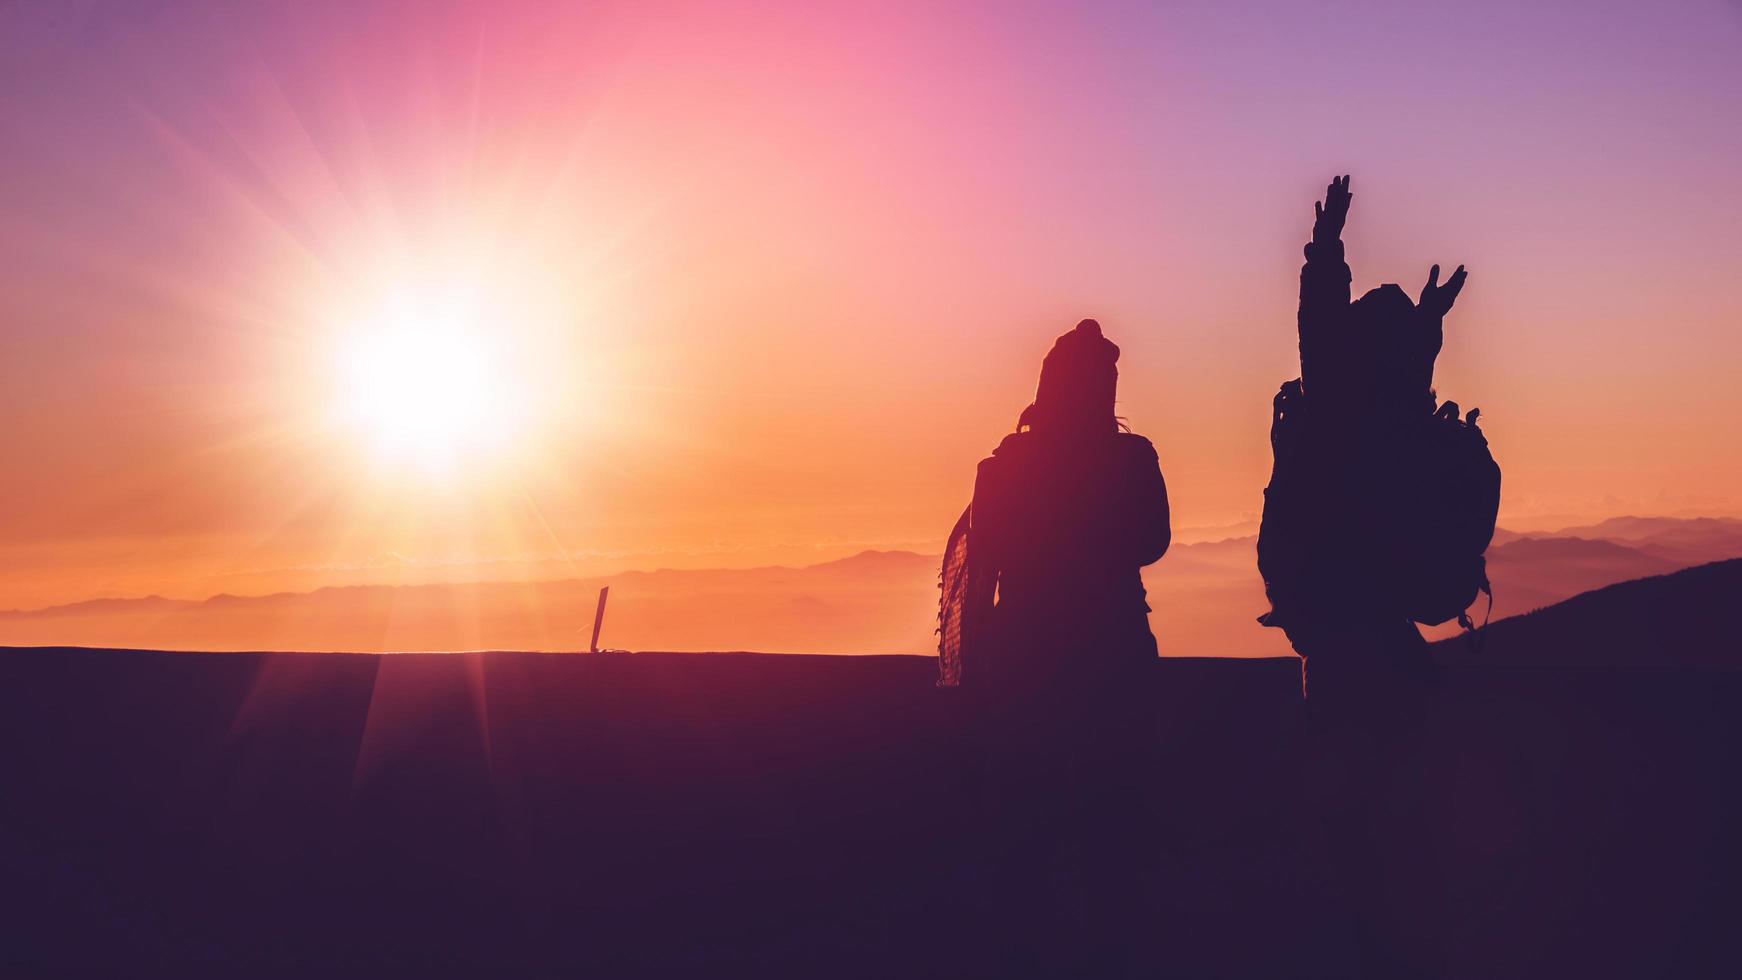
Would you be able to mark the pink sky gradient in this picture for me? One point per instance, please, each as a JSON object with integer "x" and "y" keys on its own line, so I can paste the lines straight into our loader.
{"x": 777, "y": 275}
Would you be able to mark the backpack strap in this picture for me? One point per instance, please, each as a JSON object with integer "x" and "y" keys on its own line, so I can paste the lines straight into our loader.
{"x": 1478, "y": 635}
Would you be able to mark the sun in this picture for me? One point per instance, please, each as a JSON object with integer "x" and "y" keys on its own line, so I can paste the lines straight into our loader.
{"x": 426, "y": 378}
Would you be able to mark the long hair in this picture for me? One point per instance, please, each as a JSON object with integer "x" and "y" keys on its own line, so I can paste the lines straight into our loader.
{"x": 953, "y": 612}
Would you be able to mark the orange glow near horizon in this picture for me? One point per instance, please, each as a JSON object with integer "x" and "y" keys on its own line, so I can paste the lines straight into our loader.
{"x": 302, "y": 296}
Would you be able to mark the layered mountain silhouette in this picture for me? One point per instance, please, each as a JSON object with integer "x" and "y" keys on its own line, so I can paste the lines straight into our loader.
{"x": 1677, "y": 539}
{"x": 1531, "y": 572}
{"x": 1204, "y": 595}
{"x": 873, "y": 602}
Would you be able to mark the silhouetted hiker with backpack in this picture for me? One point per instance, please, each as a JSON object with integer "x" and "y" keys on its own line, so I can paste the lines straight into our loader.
{"x": 1379, "y": 506}
{"x": 1378, "y": 512}
{"x": 1045, "y": 627}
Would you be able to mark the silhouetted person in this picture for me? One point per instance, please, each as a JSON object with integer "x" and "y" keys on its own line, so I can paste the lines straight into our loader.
{"x": 1066, "y": 512}
{"x": 1376, "y": 517}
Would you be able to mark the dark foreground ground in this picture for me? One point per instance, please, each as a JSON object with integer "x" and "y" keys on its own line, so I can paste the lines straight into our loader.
{"x": 738, "y": 815}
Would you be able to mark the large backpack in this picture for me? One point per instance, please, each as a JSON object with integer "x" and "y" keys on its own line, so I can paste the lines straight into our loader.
{"x": 1427, "y": 492}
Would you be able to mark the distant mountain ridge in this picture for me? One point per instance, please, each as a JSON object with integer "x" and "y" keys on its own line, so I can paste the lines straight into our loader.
{"x": 1641, "y": 528}
{"x": 1204, "y": 595}
{"x": 875, "y": 561}
{"x": 1685, "y": 540}
{"x": 874, "y": 602}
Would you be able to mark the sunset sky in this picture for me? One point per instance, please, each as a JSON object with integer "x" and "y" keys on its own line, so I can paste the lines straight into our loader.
{"x": 718, "y": 285}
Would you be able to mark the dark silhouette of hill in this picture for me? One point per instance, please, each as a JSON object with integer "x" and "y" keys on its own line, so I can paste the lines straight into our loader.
{"x": 1205, "y": 595}
{"x": 661, "y": 814}
{"x": 1683, "y": 620}
{"x": 1531, "y": 572}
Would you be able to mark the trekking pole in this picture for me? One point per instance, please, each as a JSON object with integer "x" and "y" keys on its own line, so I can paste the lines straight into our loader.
{"x": 599, "y": 618}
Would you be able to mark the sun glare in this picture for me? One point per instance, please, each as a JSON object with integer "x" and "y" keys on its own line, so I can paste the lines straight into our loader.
{"x": 426, "y": 379}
